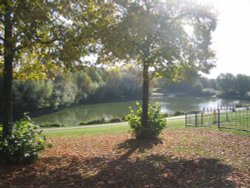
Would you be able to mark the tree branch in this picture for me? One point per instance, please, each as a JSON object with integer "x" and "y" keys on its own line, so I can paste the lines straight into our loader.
{"x": 37, "y": 41}
{"x": 135, "y": 45}
{"x": 180, "y": 16}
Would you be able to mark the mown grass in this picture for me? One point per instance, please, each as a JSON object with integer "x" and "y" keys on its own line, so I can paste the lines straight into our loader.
{"x": 120, "y": 128}
{"x": 177, "y": 123}
{"x": 89, "y": 131}
{"x": 124, "y": 128}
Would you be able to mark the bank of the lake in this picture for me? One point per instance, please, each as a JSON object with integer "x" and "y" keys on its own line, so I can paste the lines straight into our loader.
{"x": 72, "y": 116}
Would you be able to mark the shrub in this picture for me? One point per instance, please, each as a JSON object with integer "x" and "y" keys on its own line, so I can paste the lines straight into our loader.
{"x": 102, "y": 121}
{"x": 179, "y": 113}
{"x": 156, "y": 122}
{"x": 165, "y": 114}
{"x": 93, "y": 122}
{"x": 48, "y": 125}
{"x": 23, "y": 145}
{"x": 115, "y": 120}
{"x": 82, "y": 123}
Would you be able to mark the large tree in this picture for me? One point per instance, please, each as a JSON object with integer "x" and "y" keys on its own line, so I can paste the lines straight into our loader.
{"x": 23, "y": 25}
{"x": 57, "y": 32}
{"x": 165, "y": 37}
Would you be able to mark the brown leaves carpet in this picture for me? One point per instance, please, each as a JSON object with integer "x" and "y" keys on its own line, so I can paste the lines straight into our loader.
{"x": 181, "y": 158}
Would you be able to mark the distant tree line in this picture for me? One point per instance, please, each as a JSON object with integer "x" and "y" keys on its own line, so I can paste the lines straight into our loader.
{"x": 234, "y": 86}
{"x": 90, "y": 85}
{"x": 95, "y": 85}
{"x": 225, "y": 85}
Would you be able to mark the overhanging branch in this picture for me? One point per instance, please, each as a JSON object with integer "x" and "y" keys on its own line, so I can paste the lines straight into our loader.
{"x": 37, "y": 41}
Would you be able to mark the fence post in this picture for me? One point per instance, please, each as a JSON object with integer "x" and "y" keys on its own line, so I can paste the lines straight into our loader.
{"x": 196, "y": 119}
{"x": 219, "y": 118}
{"x": 214, "y": 116}
{"x": 186, "y": 119}
{"x": 227, "y": 113}
{"x": 201, "y": 118}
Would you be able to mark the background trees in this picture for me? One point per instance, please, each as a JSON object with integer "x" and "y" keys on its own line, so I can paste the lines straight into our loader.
{"x": 233, "y": 86}
{"x": 225, "y": 85}
{"x": 70, "y": 88}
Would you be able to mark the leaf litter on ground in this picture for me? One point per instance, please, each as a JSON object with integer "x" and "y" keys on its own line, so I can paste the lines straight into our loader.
{"x": 181, "y": 158}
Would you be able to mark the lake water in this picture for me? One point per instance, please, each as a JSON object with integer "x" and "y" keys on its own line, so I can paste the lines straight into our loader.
{"x": 83, "y": 113}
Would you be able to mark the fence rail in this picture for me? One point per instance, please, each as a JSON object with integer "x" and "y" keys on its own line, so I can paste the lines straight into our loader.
{"x": 224, "y": 117}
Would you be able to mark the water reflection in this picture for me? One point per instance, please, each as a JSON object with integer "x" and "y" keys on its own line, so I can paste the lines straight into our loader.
{"x": 74, "y": 115}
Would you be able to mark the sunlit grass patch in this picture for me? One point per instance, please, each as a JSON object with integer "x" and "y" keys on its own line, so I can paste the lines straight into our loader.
{"x": 89, "y": 131}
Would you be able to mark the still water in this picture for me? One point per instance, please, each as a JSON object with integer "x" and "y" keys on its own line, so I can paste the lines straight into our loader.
{"x": 83, "y": 113}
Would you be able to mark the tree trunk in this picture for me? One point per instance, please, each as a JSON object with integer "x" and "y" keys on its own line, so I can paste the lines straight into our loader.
{"x": 8, "y": 71}
{"x": 145, "y": 95}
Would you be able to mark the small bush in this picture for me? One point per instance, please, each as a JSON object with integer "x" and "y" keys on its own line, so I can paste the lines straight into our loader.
{"x": 165, "y": 114}
{"x": 82, "y": 123}
{"x": 101, "y": 121}
{"x": 23, "y": 145}
{"x": 242, "y": 105}
{"x": 179, "y": 113}
{"x": 115, "y": 120}
{"x": 93, "y": 122}
{"x": 47, "y": 125}
{"x": 156, "y": 122}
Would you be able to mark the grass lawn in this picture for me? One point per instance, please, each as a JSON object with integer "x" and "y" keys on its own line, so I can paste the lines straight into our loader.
{"x": 105, "y": 130}
{"x": 122, "y": 128}
{"x": 89, "y": 131}
{"x": 110, "y": 157}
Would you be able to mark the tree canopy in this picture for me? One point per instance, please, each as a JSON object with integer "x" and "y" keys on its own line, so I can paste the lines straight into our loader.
{"x": 170, "y": 38}
{"x": 173, "y": 37}
{"x": 52, "y": 34}
{"x": 44, "y": 35}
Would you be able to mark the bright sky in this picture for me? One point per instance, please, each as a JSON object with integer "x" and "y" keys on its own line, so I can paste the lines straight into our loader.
{"x": 231, "y": 39}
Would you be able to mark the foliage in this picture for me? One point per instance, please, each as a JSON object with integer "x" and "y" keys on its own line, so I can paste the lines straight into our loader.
{"x": 197, "y": 86}
{"x": 102, "y": 121}
{"x": 226, "y": 82}
{"x": 24, "y": 143}
{"x": 93, "y": 122}
{"x": 225, "y": 85}
{"x": 121, "y": 84}
{"x": 234, "y": 86}
{"x": 156, "y": 122}
{"x": 179, "y": 113}
{"x": 90, "y": 85}
{"x": 43, "y": 37}
{"x": 47, "y": 125}
{"x": 155, "y": 33}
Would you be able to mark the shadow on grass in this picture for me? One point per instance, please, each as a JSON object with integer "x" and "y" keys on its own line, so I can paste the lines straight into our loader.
{"x": 128, "y": 171}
